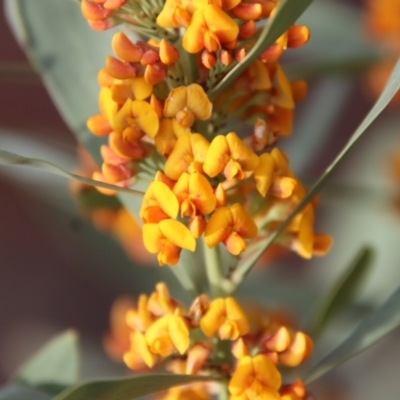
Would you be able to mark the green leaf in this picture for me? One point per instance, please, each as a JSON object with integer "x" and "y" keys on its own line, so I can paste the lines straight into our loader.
{"x": 286, "y": 13}
{"x": 250, "y": 258}
{"x": 92, "y": 199}
{"x": 19, "y": 392}
{"x": 56, "y": 363}
{"x": 7, "y": 158}
{"x": 372, "y": 329}
{"x": 128, "y": 388}
{"x": 343, "y": 291}
{"x": 58, "y": 42}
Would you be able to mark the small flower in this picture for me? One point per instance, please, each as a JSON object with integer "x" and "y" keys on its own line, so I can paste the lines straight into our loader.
{"x": 230, "y": 225}
{"x": 255, "y": 378}
{"x": 230, "y": 156}
{"x": 226, "y": 317}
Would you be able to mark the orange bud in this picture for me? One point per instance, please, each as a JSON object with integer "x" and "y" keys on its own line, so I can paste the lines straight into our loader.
{"x": 220, "y": 195}
{"x": 115, "y": 173}
{"x": 119, "y": 69}
{"x": 196, "y": 357}
{"x": 198, "y": 308}
{"x": 240, "y": 54}
{"x": 272, "y": 54}
{"x": 298, "y": 36}
{"x": 94, "y": 11}
{"x": 225, "y": 57}
{"x": 114, "y": 4}
{"x": 247, "y": 11}
{"x": 101, "y": 25}
{"x": 99, "y": 125}
{"x": 168, "y": 53}
{"x": 154, "y": 73}
{"x": 247, "y": 30}
{"x": 240, "y": 349}
{"x": 157, "y": 105}
{"x": 230, "y": 45}
{"x": 104, "y": 78}
{"x": 297, "y": 388}
{"x": 208, "y": 59}
{"x": 279, "y": 341}
{"x": 125, "y": 49}
{"x": 150, "y": 56}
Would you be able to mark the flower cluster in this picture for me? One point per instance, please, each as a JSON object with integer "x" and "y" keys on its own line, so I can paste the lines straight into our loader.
{"x": 156, "y": 109}
{"x": 161, "y": 330}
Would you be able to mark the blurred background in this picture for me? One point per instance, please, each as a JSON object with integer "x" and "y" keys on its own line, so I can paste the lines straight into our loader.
{"x": 58, "y": 271}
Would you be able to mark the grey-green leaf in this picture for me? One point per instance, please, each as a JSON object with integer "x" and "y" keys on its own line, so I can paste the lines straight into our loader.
{"x": 376, "y": 326}
{"x": 343, "y": 291}
{"x": 67, "y": 54}
{"x": 128, "y": 388}
{"x": 7, "y": 158}
{"x": 56, "y": 363}
{"x": 391, "y": 88}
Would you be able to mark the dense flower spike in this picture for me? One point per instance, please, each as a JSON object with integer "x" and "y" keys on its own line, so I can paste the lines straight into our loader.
{"x": 212, "y": 180}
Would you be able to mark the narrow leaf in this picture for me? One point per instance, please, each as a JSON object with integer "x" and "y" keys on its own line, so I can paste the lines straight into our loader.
{"x": 249, "y": 260}
{"x": 7, "y": 158}
{"x": 376, "y": 326}
{"x": 287, "y": 12}
{"x": 56, "y": 363}
{"x": 343, "y": 291}
{"x": 128, "y": 388}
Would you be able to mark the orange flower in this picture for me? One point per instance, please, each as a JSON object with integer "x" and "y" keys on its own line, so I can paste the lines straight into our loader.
{"x": 226, "y": 317}
{"x": 230, "y": 225}
{"x": 195, "y": 195}
{"x": 255, "y": 378}
{"x": 230, "y": 156}
{"x": 167, "y": 239}
{"x": 186, "y": 104}
{"x": 187, "y": 156}
{"x": 209, "y": 28}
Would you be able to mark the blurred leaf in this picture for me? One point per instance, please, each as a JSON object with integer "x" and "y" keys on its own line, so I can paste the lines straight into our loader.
{"x": 128, "y": 388}
{"x": 7, "y": 158}
{"x": 92, "y": 199}
{"x": 375, "y": 327}
{"x": 287, "y": 12}
{"x": 343, "y": 291}
{"x": 18, "y": 392}
{"x": 56, "y": 363}
{"x": 67, "y": 54}
{"x": 249, "y": 260}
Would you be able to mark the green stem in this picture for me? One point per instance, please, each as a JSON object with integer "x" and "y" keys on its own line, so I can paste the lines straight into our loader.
{"x": 213, "y": 265}
{"x": 181, "y": 274}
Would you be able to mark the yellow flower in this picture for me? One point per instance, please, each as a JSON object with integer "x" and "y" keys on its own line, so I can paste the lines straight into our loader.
{"x": 226, "y": 317}
{"x": 160, "y": 302}
{"x": 230, "y": 156}
{"x": 167, "y": 239}
{"x": 141, "y": 318}
{"x": 209, "y": 28}
{"x": 230, "y": 225}
{"x": 195, "y": 195}
{"x": 255, "y": 378}
{"x": 188, "y": 156}
{"x": 139, "y": 354}
{"x": 186, "y": 104}
{"x": 168, "y": 334}
{"x": 159, "y": 202}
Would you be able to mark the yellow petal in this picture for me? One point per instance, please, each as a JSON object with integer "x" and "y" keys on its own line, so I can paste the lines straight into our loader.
{"x": 107, "y": 105}
{"x": 235, "y": 244}
{"x": 242, "y": 222}
{"x": 264, "y": 173}
{"x": 179, "y": 333}
{"x": 202, "y": 194}
{"x": 178, "y": 234}
{"x": 266, "y": 372}
{"x": 180, "y": 158}
{"x": 193, "y": 39}
{"x": 166, "y": 199}
{"x": 219, "y": 227}
{"x": 145, "y": 117}
{"x": 306, "y": 233}
{"x": 217, "y": 156}
{"x": 140, "y": 88}
{"x": 242, "y": 377}
{"x": 121, "y": 118}
{"x": 175, "y": 102}
{"x": 284, "y": 96}
{"x": 152, "y": 238}
{"x": 140, "y": 344}
{"x": 241, "y": 153}
{"x": 198, "y": 102}
{"x": 221, "y": 23}
{"x": 214, "y": 317}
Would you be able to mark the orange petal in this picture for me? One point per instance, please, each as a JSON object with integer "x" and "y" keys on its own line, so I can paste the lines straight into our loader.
{"x": 263, "y": 174}
{"x": 217, "y": 156}
{"x": 178, "y": 234}
{"x": 219, "y": 226}
{"x": 198, "y": 102}
{"x": 145, "y": 117}
{"x": 220, "y": 23}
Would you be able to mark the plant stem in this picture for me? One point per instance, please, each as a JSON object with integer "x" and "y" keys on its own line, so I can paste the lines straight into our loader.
{"x": 213, "y": 265}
